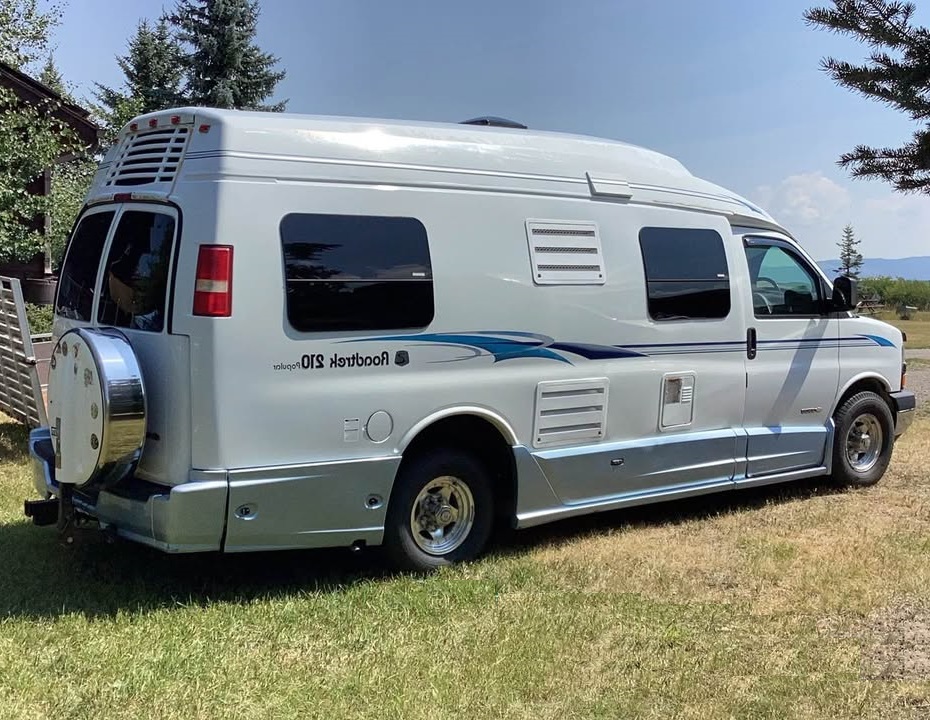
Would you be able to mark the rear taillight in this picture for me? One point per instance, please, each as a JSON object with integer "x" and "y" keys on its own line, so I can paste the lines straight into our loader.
{"x": 213, "y": 289}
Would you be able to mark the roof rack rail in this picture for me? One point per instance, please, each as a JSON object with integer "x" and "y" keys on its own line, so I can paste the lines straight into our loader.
{"x": 492, "y": 121}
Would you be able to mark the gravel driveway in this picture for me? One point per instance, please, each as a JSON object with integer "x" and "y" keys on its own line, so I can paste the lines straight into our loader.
{"x": 918, "y": 382}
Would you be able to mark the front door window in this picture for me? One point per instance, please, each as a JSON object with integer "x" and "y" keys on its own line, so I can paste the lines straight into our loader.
{"x": 782, "y": 285}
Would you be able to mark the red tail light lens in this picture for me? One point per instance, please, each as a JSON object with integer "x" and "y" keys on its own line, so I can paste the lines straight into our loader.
{"x": 213, "y": 290}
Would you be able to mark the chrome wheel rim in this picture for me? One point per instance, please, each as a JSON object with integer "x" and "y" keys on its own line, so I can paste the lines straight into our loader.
{"x": 442, "y": 515}
{"x": 864, "y": 442}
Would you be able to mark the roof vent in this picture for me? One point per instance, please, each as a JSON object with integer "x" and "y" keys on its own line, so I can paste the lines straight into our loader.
{"x": 149, "y": 157}
{"x": 494, "y": 122}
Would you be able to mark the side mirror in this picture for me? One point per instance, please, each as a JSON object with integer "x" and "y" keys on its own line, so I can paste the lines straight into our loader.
{"x": 845, "y": 294}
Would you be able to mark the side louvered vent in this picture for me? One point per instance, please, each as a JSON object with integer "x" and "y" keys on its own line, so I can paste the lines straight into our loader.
{"x": 566, "y": 253}
{"x": 570, "y": 411}
{"x": 149, "y": 157}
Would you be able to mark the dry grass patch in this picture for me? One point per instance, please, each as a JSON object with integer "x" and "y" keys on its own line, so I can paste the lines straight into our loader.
{"x": 794, "y": 602}
{"x": 917, "y": 328}
{"x": 898, "y": 641}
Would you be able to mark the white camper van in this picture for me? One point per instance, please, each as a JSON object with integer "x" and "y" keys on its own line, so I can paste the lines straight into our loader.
{"x": 279, "y": 331}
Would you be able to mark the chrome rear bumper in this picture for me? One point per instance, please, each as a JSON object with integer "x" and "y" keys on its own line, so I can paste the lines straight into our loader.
{"x": 184, "y": 518}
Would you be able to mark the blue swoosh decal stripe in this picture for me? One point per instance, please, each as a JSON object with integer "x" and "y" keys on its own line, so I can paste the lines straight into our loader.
{"x": 512, "y": 345}
{"x": 595, "y": 352}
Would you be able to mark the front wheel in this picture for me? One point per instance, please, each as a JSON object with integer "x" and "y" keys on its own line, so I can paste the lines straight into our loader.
{"x": 441, "y": 511}
{"x": 864, "y": 440}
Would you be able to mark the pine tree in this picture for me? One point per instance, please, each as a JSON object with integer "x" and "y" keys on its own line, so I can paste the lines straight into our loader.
{"x": 850, "y": 257}
{"x": 152, "y": 71}
{"x": 51, "y": 78}
{"x": 896, "y": 73}
{"x": 224, "y": 67}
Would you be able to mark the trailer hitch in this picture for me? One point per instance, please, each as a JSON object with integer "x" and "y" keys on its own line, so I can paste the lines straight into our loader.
{"x": 42, "y": 512}
{"x": 71, "y": 519}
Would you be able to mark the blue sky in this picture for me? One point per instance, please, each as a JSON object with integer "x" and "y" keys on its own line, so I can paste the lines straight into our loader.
{"x": 731, "y": 88}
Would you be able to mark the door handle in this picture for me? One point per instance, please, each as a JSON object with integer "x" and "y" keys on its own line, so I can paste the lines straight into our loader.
{"x": 751, "y": 343}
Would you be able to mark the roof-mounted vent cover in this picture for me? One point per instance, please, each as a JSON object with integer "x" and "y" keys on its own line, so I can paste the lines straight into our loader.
{"x": 149, "y": 157}
{"x": 565, "y": 253}
{"x": 494, "y": 122}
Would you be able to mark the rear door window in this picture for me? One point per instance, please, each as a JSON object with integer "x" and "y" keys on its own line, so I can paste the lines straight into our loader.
{"x": 78, "y": 281}
{"x": 135, "y": 278}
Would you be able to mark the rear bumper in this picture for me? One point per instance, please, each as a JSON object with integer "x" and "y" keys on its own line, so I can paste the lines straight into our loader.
{"x": 181, "y": 519}
{"x": 905, "y": 405}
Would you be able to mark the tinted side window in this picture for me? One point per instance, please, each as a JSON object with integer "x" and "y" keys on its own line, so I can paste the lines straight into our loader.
{"x": 76, "y": 285}
{"x": 686, "y": 273}
{"x": 135, "y": 280}
{"x": 781, "y": 282}
{"x": 348, "y": 272}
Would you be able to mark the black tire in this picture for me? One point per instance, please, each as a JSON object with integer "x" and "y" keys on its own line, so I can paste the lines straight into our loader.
{"x": 402, "y": 549}
{"x": 860, "y": 410}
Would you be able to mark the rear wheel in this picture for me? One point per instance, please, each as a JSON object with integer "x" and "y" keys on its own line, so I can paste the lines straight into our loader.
{"x": 864, "y": 440}
{"x": 441, "y": 511}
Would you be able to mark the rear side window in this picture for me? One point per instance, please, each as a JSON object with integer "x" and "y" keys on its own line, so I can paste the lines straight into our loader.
{"x": 135, "y": 279}
{"x": 686, "y": 273}
{"x": 78, "y": 279}
{"x": 352, "y": 272}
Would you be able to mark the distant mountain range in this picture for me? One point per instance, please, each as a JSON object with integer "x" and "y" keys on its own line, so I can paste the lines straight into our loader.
{"x": 909, "y": 268}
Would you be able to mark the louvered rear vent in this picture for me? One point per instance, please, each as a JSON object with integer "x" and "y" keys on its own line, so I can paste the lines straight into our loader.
{"x": 565, "y": 253}
{"x": 570, "y": 411}
{"x": 149, "y": 157}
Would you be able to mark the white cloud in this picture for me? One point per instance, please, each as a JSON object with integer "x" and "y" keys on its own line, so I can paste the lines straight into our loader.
{"x": 804, "y": 199}
{"x": 815, "y": 208}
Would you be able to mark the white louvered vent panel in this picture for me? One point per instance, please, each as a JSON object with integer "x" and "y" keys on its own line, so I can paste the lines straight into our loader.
{"x": 687, "y": 393}
{"x": 149, "y": 157}
{"x": 570, "y": 411}
{"x": 565, "y": 253}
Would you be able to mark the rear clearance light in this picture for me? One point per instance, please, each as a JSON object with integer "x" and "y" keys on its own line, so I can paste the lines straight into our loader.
{"x": 213, "y": 287}
{"x": 153, "y": 123}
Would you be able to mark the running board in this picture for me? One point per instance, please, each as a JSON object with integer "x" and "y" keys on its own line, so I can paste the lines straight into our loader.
{"x": 675, "y": 492}
{"x": 760, "y": 480}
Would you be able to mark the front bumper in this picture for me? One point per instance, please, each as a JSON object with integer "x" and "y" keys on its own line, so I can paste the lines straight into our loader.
{"x": 180, "y": 519}
{"x": 905, "y": 406}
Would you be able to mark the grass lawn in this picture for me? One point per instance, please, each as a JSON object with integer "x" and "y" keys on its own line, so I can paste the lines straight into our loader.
{"x": 917, "y": 329}
{"x": 798, "y": 602}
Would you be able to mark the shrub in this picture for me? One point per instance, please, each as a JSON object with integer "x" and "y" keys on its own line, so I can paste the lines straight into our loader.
{"x": 40, "y": 318}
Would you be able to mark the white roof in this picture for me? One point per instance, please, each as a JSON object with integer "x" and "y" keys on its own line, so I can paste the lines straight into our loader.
{"x": 459, "y": 148}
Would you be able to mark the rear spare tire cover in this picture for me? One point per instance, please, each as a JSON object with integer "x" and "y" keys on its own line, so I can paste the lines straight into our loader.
{"x": 96, "y": 407}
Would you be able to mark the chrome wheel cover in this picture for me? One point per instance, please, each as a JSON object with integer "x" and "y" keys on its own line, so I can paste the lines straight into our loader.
{"x": 442, "y": 516}
{"x": 864, "y": 442}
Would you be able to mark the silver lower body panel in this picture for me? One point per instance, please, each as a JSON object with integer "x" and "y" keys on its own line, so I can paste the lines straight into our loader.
{"x": 308, "y": 506}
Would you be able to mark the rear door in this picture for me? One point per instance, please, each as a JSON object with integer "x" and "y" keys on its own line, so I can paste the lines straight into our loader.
{"x": 793, "y": 370}
{"x": 117, "y": 274}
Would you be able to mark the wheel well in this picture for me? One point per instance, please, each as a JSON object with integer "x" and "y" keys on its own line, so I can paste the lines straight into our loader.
{"x": 871, "y": 384}
{"x": 478, "y": 436}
